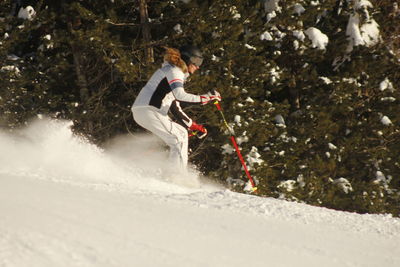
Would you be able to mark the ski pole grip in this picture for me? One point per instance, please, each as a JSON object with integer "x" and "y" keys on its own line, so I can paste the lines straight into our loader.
{"x": 216, "y": 103}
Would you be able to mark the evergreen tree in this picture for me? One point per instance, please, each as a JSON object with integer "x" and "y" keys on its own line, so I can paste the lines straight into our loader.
{"x": 74, "y": 64}
{"x": 309, "y": 87}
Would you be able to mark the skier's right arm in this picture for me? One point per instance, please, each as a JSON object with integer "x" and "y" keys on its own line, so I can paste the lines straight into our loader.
{"x": 176, "y": 80}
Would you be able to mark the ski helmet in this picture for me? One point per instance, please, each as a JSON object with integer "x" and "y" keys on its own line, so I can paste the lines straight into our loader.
{"x": 191, "y": 55}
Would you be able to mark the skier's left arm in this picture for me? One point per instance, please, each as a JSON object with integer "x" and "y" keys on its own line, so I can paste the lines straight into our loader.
{"x": 185, "y": 121}
{"x": 180, "y": 115}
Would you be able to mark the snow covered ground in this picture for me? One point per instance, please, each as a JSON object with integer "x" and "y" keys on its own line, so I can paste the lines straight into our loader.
{"x": 64, "y": 202}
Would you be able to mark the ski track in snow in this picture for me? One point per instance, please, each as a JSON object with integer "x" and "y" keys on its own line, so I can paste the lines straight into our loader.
{"x": 289, "y": 211}
{"x": 91, "y": 225}
{"x": 64, "y": 202}
{"x": 18, "y": 249}
{"x": 212, "y": 197}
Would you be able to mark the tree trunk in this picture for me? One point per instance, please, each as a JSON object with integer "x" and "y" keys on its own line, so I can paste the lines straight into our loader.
{"x": 144, "y": 20}
{"x": 82, "y": 81}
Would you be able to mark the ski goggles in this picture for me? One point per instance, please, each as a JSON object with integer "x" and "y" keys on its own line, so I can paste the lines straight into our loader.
{"x": 196, "y": 60}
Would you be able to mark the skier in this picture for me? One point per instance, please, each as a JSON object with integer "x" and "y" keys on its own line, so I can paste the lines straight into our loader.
{"x": 164, "y": 92}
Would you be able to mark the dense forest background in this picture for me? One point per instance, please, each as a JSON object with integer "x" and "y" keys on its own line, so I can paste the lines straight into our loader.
{"x": 311, "y": 88}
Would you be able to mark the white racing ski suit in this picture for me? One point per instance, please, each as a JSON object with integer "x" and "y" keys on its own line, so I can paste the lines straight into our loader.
{"x": 162, "y": 93}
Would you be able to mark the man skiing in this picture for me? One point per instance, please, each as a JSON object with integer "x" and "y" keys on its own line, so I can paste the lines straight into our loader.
{"x": 164, "y": 92}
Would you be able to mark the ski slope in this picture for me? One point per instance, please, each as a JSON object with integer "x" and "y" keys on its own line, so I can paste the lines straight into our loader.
{"x": 64, "y": 202}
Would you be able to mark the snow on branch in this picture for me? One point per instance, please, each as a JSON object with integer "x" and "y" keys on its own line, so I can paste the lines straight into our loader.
{"x": 361, "y": 28}
{"x": 319, "y": 40}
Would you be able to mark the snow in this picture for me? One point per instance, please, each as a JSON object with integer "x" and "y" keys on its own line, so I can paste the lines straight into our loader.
{"x": 280, "y": 121}
{"x": 379, "y": 177}
{"x": 253, "y": 157}
{"x": 249, "y": 100}
{"x": 237, "y": 119}
{"x": 178, "y": 28}
{"x": 388, "y": 99}
{"x": 13, "y": 57}
{"x": 271, "y": 6}
{"x": 386, "y": 84}
{"x": 65, "y": 202}
{"x": 319, "y": 40}
{"x": 362, "y": 33}
{"x": 362, "y": 3}
{"x": 11, "y": 68}
{"x": 299, "y": 35}
{"x": 250, "y": 47}
{"x": 326, "y": 80}
{"x": 235, "y": 13}
{"x": 288, "y": 185}
{"x": 315, "y": 3}
{"x": 332, "y": 146}
{"x": 27, "y": 13}
{"x": 266, "y": 36}
{"x": 299, "y": 9}
{"x": 227, "y": 149}
{"x": 271, "y": 15}
{"x": 242, "y": 139}
{"x": 370, "y": 33}
{"x": 353, "y": 31}
{"x": 386, "y": 121}
{"x": 343, "y": 184}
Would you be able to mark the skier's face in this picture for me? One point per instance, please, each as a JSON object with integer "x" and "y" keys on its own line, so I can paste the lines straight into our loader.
{"x": 192, "y": 68}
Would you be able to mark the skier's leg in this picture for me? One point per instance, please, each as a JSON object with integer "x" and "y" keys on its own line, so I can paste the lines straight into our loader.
{"x": 173, "y": 134}
{"x": 179, "y": 147}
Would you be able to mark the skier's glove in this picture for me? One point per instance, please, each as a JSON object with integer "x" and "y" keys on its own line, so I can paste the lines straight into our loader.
{"x": 210, "y": 96}
{"x": 198, "y": 130}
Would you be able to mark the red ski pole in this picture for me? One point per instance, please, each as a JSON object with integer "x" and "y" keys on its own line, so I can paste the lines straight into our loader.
{"x": 233, "y": 139}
